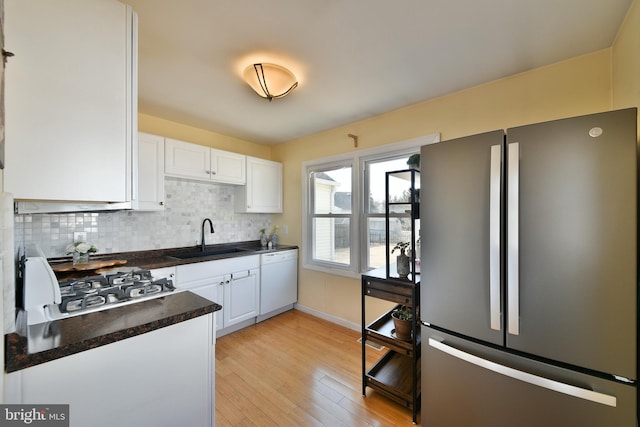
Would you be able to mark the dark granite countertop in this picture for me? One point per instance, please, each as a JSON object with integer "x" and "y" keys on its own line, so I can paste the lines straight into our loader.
{"x": 160, "y": 258}
{"x": 44, "y": 342}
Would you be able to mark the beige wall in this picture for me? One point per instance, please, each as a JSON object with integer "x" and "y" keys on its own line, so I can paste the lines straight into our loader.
{"x": 577, "y": 86}
{"x": 595, "y": 82}
{"x": 162, "y": 127}
{"x": 626, "y": 62}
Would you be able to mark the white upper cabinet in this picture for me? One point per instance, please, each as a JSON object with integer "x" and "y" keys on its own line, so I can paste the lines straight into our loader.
{"x": 186, "y": 160}
{"x": 70, "y": 99}
{"x": 263, "y": 191}
{"x": 150, "y": 177}
{"x": 228, "y": 167}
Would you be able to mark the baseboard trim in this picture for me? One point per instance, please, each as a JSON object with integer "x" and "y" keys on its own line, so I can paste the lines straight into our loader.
{"x": 327, "y": 317}
{"x": 269, "y": 315}
{"x": 234, "y": 328}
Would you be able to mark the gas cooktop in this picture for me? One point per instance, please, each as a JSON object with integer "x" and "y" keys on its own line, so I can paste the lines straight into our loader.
{"x": 80, "y": 296}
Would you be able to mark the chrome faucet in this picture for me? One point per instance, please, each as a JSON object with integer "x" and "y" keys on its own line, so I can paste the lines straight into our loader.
{"x": 210, "y": 226}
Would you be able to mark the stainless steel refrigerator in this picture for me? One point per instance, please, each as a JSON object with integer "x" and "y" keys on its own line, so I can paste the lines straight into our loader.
{"x": 529, "y": 276}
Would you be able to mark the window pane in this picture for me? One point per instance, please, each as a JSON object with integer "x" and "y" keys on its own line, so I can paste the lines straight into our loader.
{"x": 376, "y": 237}
{"x": 331, "y": 240}
{"x": 375, "y": 174}
{"x": 375, "y": 181}
{"x": 400, "y": 187}
{"x": 332, "y": 191}
{"x": 399, "y": 231}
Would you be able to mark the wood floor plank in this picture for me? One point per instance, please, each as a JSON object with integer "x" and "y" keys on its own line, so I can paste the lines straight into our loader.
{"x": 297, "y": 370}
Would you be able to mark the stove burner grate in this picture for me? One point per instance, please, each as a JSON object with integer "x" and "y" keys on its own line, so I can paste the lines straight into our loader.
{"x": 91, "y": 292}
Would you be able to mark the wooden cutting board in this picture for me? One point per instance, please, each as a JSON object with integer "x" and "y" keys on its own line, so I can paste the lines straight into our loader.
{"x": 92, "y": 265}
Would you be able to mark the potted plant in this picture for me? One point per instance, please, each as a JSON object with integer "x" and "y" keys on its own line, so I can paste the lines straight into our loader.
{"x": 414, "y": 161}
{"x": 402, "y": 260}
{"x": 403, "y": 321}
{"x": 80, "y": 252}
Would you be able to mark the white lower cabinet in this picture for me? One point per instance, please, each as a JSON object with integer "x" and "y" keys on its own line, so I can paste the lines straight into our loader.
{"x": 162, "y": 378}
{"x": 241, "y": 297}
{"x": 213, "y": 290}
{"x": 233, "y": 282}
{"x": 164, "y": 273}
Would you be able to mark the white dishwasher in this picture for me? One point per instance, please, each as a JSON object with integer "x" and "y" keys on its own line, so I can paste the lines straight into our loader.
{"x": 278, "y": 282}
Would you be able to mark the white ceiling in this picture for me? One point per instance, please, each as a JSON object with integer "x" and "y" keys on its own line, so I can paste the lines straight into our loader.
{"x": 354, "y": 59}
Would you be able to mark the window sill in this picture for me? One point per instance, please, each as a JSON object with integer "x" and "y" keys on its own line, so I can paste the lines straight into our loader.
{"x": 332, "y": 270}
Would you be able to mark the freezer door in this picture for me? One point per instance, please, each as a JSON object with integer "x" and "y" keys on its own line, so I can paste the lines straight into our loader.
{"x": 574, "y": 270}
{"x": 465, "y": 384}
{"x": 460, "y": 213}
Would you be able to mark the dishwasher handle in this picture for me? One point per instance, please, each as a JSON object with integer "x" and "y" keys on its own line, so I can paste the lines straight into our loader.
{"x": 279, "y": 256}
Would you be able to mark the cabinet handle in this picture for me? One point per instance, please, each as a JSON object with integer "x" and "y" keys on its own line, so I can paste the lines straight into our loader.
{"x": 213, "y": 172}
{"x": 207, "y": 172}
{"x": 161, "y": 203}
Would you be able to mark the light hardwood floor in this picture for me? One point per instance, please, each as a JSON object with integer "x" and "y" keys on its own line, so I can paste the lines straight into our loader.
{"x": 297, "y": 370}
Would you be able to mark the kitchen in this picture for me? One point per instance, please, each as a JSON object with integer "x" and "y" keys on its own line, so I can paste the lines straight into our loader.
{"x": 597, "y": 81}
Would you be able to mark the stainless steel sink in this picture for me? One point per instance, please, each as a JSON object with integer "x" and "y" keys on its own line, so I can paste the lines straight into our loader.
{"x": 207, "y": 253}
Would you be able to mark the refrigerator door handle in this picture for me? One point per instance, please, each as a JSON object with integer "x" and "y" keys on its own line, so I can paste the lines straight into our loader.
{"x": 494, "y": 237}
{"x": 560, "y": 387}
{"x": 513, "y": 249}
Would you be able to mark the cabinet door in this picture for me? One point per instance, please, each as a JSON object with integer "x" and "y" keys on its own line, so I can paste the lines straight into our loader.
{"x": 263, "y": 191}
{"x": 150, "y": 195}
{"x": 187, "y": 160}
{"x": 69, "y": 100}
{"x": 165, "y": 273}
{"x": 190, "y": 373}
{"x": 214, "y": 291}
{"x": 241, "y": 297}
{"x": 228, "y": 167}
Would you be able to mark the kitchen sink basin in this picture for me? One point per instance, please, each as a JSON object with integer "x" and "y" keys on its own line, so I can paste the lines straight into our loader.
{"x": 207, "y": 253}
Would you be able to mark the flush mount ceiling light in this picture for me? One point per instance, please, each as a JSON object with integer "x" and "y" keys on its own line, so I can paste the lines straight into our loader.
{"x": 270, "y": 80}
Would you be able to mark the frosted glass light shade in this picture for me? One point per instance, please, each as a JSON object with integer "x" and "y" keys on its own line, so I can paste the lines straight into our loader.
{"x": 270, "y": 80}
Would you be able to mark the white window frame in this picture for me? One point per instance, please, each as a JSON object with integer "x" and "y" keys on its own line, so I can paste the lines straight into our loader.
{"x": 357, "y": 160}
{"x": 354, "y": 209}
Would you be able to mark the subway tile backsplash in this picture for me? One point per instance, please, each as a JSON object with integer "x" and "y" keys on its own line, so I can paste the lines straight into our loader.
{"x": 187, "y": 203}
